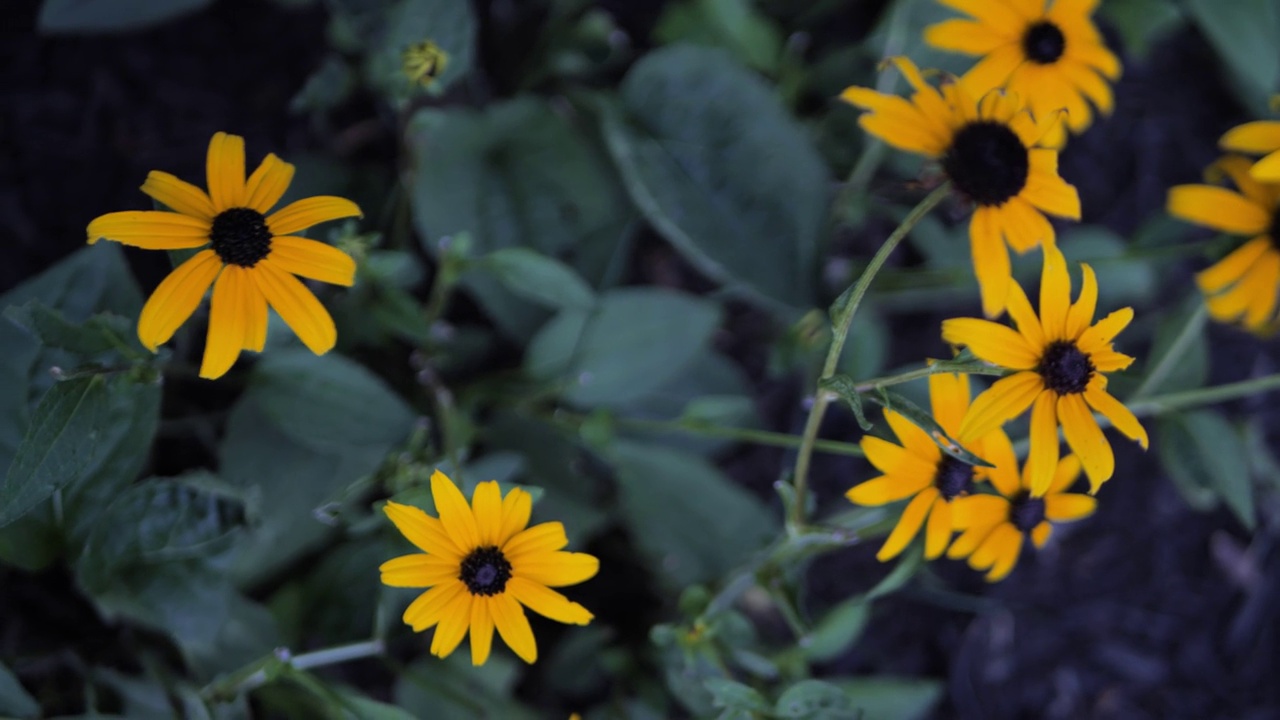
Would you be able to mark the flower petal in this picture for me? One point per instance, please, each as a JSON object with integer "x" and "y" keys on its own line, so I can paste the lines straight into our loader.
{"x": 1121, "y": 417}
{"x": 1024, "y": 317}
{"x": 1217, "y": 208}
{"x": 966, "y": 36}
{"x": 937, "y": 532}
{"x": 541, "y": 538}
{"x": 150, "y": 230}
{"x": 427, "y": 609}
{"x": 1255, "y": 138}
{"x": 1055, "y": 294}
{"x": 1099, "y": 337}
{"x": 454, "y": 623}
{"x": 990, "y": 259}
{"x": 267, "y": 184}
{"x": 1025, "y": 227}
{"x": 1006, "y": 546}
{"x": 1237, "y": 168}
{"x": 424, "y": 531}
{"x": 912, "y": 437}
{"x": 1043, "y": 458}
{"x": 993, "y": 70}
{"x": 949, "y": 399}
{"x": 418, "y": 570}
{"x": 1080, "y": 316}
{"x": 1006, "y": 399}
{"x": 455, "y": 514}
{"x": 255, "y": 309}
{"x": 176, "y": 297}
{"x": 1065, "y": 476}
{"x": 885, "y": 489}
{"x": 908, "y": 525}
{"x": 978, "y": 511}
{"x": 300, "y": 309}
{"x": 557, "y": 569}
{"x": 995, "y": 343}
{"x": 1086, "y": 440}
{"x": 302, "y": 214}
{"x": 1231, "y": 268}
{"x": 178, "y": 195}
{"x": 1040, "y": 534}
{"x": 547, "y": 602}
{"x": 1046, "y": 190}
{"x": 1069, "y": 506}
{"x": 517, "y": 506}
{"x": 312, "y": 259}
{"x": 1267, "y": 169}
{"x": 225, "y": 168}
{"x": 481, "y": 630}
{"x": 893, "y": 459}
{"x": 513, "y": 626}
{"x": 228, "y": 315}
{"x": 999, "y": 452}
{"x": 486, "y": 505}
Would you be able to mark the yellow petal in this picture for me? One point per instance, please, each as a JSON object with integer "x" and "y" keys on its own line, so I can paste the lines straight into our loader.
{"x": 990, "y": 259}
{"x": 1080, "y": 317}
{"x": 547, "y": 602}
{"x": 300, "y": 310}
{"x": 1043, "y": 458}
{"x": 1099, "y": 337}
{"x": 314, "y": 260}
{"x": 1097, "y": 57}
{"x": 428, "y": 608}
{"x": 992, "y": 342}
{"x": 1040, "y": 534}
{"x": 513, "y": 626}
{"x": 1217, "y": 208}
{"x": 1006, "y": 399}
{"x": 267, "y": 184}
{"x": 225, "y": 168}
{"x": 1090, "y": 83}
{"x": 1069, "y": 506}
{"x": 1107, "y": 361}
{"x": 1065, "y": 476}
{"x": 885, "y": 489}
{"x": 481, "y": 630}
{"x": 255, "y": 328}
{"x": 228, "y": 315}
{"x": 177, "y": 296}
{"x": 912, "y": 437}
{"x": 1025, "y": 227}
{"x": 1267, "y": 169}
{"x": 949, "y": 399}
{"x": 150, "y": 230}
{"x": 978, "y": 511}
{"x": 542, "y": 538}
{"x": 895, "y": 460}
{"x": 1264, "y": 281}
{"x": 1000, "y": 17}
{"x": 1112, "y": 409}
{"x": 1055, "y": 294}
{"x": 908, "y": 525}
{"x": 1049, "y": 192}
{"x": 302, "y": 214}
{"x": 178, "y": 195}
{"x": 424, "y": 531}
{"x": 993, "y": 70}
{"x": 486, "y": 505}
{"x": 417, "y": 570}
{"x": 1256, "y": 138}
{"x": 517, "y": 506}
{"x": 557, "y": 569}
{"x": 1006, "y": 546}
{"x": 999, "y": 452}
{"x": 455, "y": 514}
{"x": 1231, "y": 268}
{"x": 1237, "y": 168}
{"x": 1024, "y": 317}
{"x": 966, "y": 36}
{"x": 454, "y": 623}
{"x": 937, "y": 532}
{"x": 1086, "y": 440}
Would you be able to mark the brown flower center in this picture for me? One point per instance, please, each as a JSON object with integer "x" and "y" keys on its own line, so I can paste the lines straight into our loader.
{"x": 1026, "y": 512}
{"x": 1044, "y": 43}
{"x": 1064, "y": 368}
{"x": 953, "y": 478}
{"x": 987, "y": 162}
{"x": 485, "y": 571}
{"x": 240, "y": 236}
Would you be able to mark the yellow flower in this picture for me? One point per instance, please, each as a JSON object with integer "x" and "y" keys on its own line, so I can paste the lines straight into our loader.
{"x": 994, "y": 526}
{"x": 481, "y": 564}
{"x": 991, "y": 152}
{"x": 1261, "y": 137}
{"x": 252, "y": 256}
{"x": 1061, "y": 357}
{"x": 424, "y": 62}
{"x": 1244, "y": 285}
{"x": 917, "y": 469}
{"x": 1053, "y": 57}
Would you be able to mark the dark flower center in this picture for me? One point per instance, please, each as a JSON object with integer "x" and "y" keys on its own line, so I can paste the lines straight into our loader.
{"x": 1026, "y": 512}
{"x": 1274, "y": 230}
{"x": 240, "y": 236}
{"x": 1064, "y": 368}
{"x": 953, "y": 478}
{"x": 1043, "y": 43}
{"x": 987, "y": 162}
{"x": 485, "y": 571}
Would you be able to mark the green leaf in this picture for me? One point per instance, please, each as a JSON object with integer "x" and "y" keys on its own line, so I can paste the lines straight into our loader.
{"x": 734, "y": 25}
{"x": 14, "y": 699}
{"x": 814, "y": 700}
{"x": 846, "y": 389}
{"x": 451, "y": 689}
{"x": 1205, "y": 456}
{"x": 837, "y": 630}
{"x": 1243, "y": 32}
{"x": 106, "y": 16}
{"x": 359, "y": 707}
{"x": 890, "y": 698}
{"x": 101, "y": 333}
{"x": 536, "y": 277}
{"x": 721, "y": 170}
{"x": 634, "y": 341}
{"x": 447, "y": 23}
{"x": 692, "y": 521}
{"x": 730, "y": 695}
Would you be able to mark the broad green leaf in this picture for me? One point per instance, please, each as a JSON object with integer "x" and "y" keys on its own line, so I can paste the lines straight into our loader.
{"x": 890, "y": 698}
{"x": 451, "y": 689}
{"x": 721, "y": 170}
{"x": 1243, "y": 32}
{"x": 447, "y": 23}
{"x": 694, "y": 523}
{"x": 99, "y": 334}
{"x": 734, "y": 25}
{"x": 106, "y": 16}
{"x": 837, "y": 630}
{"x": 536, "y": 277}
{"x": 731, "y": 695}
{"x": 634, "y": 341}
{"x": 14, "y": 699}
{"x": 1203, "y": 453}
{"x": 814, "y": 700}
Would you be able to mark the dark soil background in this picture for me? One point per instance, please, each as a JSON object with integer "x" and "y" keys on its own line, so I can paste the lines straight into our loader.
{"x": 1146, "y": 610}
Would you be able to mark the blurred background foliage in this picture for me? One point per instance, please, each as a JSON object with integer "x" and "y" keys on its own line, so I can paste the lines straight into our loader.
{"x": 602, "y": 235}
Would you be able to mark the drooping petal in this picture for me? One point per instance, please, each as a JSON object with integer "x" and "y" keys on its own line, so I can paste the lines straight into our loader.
{"x": 1238, "y": 169}
{"x": 255, "y": 328}
{"x": 486, "y": 505}
{"x": 302, "y": 214}
{"x": 300, "y": 309}
{"x": 1043, "y": 458}
{"x": 418, "y": 570}
{"x": 228, "y": 316}
{"x": 885, "y": 489}
{"x": 990, "y": 259}
{"x": 1006, "y": 399}
{"x": 424, "y": 531}
{"x": 481, "y": 630}
{"x": 1091, "y": 84}
{"x": 993, "y": 342}
{"x": 937, "y": 532}
{"x": 517, "y": 506}
{"x": 225, "y": 169}
{"x": 1080, "y": 316}
{"x": 454, "y": 623}
{"x": 150, "y": 230}
{"x": 455, "y": 514}
{"x": 1025, "y": 227}
{"x": 513, "y": 626}
{"x": 178, "y": 195}
{"x": 1264, "y": 282}
{"x": 1231, "y": 268}
{"x": 427, "y": 609}
{"x": 547, "y": 602}
{"x": 1069, "y": 506}
{"x": 557, "y": 569}
{"x": 1121, "y": 417}
{"x": 1046, "y": 190}
{"x": 1099, "y": 337}
{"x": 908, "y": 525}
{"x": 267, "y": 184}
{"x": 541, "y": 538}
{"x": 1086, "y": 440}
{"x": 1217, "y": 208}
{"x": 177, "y": 296}
{"x": 949, "y": 399}
{"x": 314, "y": 260}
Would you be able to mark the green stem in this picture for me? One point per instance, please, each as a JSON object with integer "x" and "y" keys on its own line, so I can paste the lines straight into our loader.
{"x": 255, "y": 675}
{"x": 747, "y": 435}
{"x": 1190, "y": 331}
{"x": 975, "y": 368}
{"x": 1161, "y": 404}
{"x": 843, "y": 310}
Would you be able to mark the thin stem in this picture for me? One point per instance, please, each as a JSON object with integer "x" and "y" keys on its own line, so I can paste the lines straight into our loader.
{"x": 845, "y": 307}
{"x": 747, "y": 435}
{"x": 1190, "y": 331}
{"x": 926, "y": 371}
{"x": 1161, "y": 404}
{"x": 254, "y": 675}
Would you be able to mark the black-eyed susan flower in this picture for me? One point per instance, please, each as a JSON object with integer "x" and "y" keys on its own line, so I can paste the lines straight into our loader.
{"x": 919, "y": 470}
{"x": 423, "y": 62}
{"x": 482, "y": 564}
{"x": 1049, "y": 52}
{"x": 994, "y": 527}
{"x": 250, "y": 257}
{"x": 1061, "y": 358}
{"x": 1244, "y": 285}
{"x": 991, "y": 152}
{"x": 1261, "y": 137}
